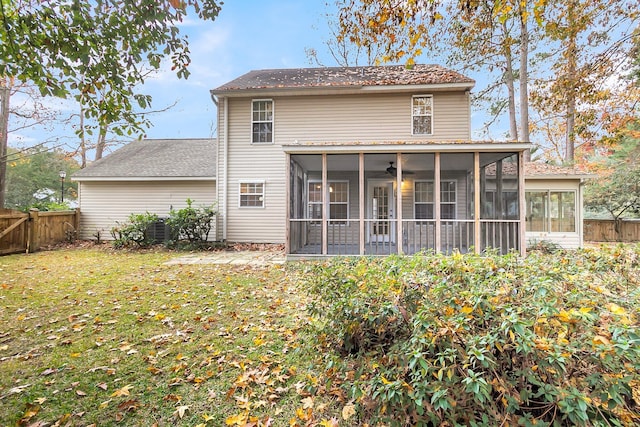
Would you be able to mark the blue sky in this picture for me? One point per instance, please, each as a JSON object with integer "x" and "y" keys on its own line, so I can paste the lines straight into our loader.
{"x": 247, "y": 35}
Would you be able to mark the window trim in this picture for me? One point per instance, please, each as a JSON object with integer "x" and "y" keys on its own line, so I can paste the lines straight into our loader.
{"x": 272, "y": 121}
{"x": 432, "y": 203}
{"x": 240, "y": 194}
{"x": 413, "y": 133}
{"x": 547, "y": 213}
{"x": 338, "y": 221}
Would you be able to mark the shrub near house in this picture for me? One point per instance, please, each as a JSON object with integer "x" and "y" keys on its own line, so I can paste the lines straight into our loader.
{"x": 473, "y": 340}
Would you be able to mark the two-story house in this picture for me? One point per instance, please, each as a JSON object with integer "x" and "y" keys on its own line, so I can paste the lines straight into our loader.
{"x": 343, "y": 161}
{"x": 363, "y": 161}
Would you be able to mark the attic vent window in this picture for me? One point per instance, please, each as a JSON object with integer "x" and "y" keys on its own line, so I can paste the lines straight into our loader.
{"x": 422, "y": 115}
{"x": 262, "y": 121}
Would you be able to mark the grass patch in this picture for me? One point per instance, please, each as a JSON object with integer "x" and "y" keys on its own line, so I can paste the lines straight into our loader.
{"x": 102, "y": 337}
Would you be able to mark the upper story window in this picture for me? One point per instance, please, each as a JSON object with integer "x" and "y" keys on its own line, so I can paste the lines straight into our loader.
{"x": 262, "y": 121}
{"x": 422, "y": 115}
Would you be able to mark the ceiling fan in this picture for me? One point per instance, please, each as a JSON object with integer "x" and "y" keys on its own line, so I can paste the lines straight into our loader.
{"x": 391, "y": 170}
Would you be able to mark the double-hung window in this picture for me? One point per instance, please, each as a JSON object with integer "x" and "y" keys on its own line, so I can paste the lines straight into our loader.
{"x": 424, "y": 200}
{"x": 422, "y": 115}
{"x": 337, "y": 196}
{"x": 251, "y": 194}
{"x": 262, "y": 121}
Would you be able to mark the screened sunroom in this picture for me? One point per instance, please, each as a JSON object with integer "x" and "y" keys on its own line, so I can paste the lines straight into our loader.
{"x": 384, "y": 200}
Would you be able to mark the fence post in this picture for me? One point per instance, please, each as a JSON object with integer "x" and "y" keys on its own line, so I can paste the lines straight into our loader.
{"x": 76, "y": 223}
{"x": 32, "y": 230}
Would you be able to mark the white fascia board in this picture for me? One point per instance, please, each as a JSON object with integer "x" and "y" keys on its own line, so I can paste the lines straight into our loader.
{"x": 142, "y": 178}
{"x": 406, "y": 148}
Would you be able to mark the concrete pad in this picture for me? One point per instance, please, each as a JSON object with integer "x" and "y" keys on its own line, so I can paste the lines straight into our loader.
{"x": 252, "y": 258}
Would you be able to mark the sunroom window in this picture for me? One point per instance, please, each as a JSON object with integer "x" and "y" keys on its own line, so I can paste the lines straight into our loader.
{"x": 551, "y": 211}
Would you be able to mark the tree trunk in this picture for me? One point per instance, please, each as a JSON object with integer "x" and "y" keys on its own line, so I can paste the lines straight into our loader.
{"x": 101, "y": 142}
{"x": 509, "y": 80}
{"x": 570, "y": 85}
{"x": 524, "y": 77}
{"x": 4, "y": 137}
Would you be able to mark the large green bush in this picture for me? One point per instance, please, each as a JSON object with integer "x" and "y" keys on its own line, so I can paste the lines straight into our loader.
{"x": 191, "y": 224}
{"x": 553, "y": 339}
{"x": 135, "y": 231}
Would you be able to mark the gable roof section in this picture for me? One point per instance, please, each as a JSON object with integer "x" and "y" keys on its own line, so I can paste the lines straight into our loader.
{"x": 325, "y": 78}
{"x": 155, "y": 159}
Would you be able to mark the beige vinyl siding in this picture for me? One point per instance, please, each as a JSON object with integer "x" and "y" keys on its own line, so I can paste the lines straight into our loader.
{"x": 370, "y": 117}
{"x": 247, "y": 162}
{"x": 567, "y": 240}
{"x": 104, "y": 203}
{"x": 367, "y": 118}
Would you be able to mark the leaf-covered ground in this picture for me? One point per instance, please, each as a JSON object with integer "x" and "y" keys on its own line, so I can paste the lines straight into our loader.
{"x": 101, "y": 337}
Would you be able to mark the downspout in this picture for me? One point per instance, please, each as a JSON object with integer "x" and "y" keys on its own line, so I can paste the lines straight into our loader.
{"x": 225, "y": 134}
{"x": 225, "y": 169}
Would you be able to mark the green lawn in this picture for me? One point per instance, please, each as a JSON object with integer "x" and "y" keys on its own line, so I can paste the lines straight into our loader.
{"x": 102, "y": 337}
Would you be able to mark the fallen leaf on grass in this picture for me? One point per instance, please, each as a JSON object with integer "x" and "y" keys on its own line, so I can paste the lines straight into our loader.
{"x": 180, "y": 411}
{"x": 30, "y": 412}
{"x": 129, "y": 405}
{"x": 348, "y": 411}
{"x": 124, "y": 391}
{"x": 238, "y": 419}
{"x": 329, "y": 423}
{"x": 81, "y": 393}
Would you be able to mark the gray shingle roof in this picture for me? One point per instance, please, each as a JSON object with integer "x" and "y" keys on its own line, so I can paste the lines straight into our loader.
{"x": 159, "y": 158}
{"x": 327, "y": 77}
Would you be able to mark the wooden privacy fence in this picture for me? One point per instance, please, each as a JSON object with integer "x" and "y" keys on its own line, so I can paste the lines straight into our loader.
{"x": 604, "y": 230}
{"x": 28, "y": 232}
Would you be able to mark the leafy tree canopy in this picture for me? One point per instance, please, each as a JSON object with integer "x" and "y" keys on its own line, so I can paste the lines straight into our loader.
{"x": 618, "y": 191}
{"x": 97, "y": 51}
{"x": 33, "y": 178}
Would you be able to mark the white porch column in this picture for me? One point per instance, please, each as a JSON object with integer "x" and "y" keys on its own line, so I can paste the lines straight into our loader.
{"x": 436, "y": 202}
{"x": 362, "y": 199}
{"x": 522, "y": 206}
{"x": 476, "y": 201}
{"x": 399, "y": 203}
{"x": 325, "y": 226}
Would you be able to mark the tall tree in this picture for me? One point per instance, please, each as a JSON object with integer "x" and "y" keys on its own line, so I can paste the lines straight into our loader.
{"x": 492, "y": 35}
{"x": 587, "y": 46}
{"x": 96, "y": 51}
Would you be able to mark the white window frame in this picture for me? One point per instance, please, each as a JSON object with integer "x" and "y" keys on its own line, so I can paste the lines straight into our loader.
{"x": 547, "y": 213}
{"x": 261, "y": 195}
{"x": 272, "y": 121}
{"x": 415, "y": 204}
{"x": 336, "y": 221}
{"x": 432, "y": 203}
{"x": 413, "y": 132}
